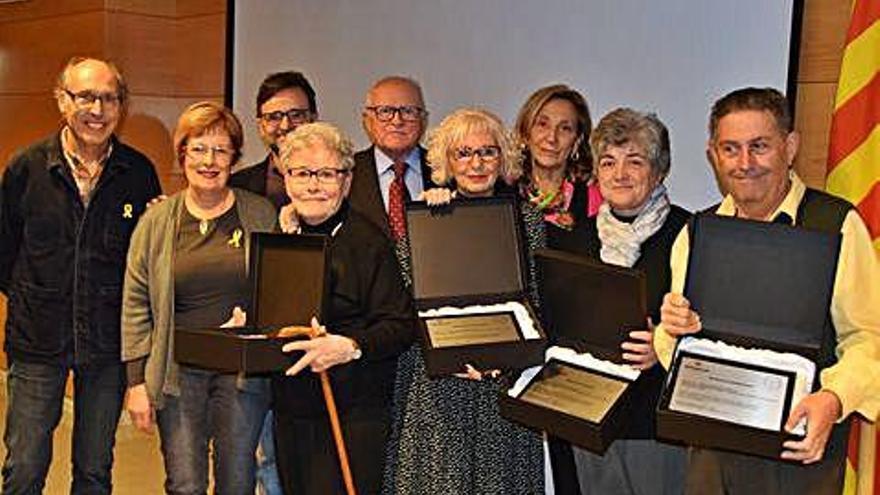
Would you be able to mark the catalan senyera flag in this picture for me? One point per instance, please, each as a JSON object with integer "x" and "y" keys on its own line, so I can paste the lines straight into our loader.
{"x": 854, "y": 173}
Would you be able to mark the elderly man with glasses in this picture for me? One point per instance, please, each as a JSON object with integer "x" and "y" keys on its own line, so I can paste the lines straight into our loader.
{"x": 393, "y": 169}
{"x": 68, "y": 206}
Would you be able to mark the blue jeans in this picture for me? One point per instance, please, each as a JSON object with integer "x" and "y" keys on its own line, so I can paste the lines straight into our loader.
{"x": 212, "y": 408}
{"x": 35, "y": 394}
{"x": 268, "y": 482}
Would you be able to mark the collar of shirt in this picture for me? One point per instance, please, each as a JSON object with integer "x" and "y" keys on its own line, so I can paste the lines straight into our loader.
{"x": 384, "y": 163}
{"x": 789, "y": 204}
{"x": 73, "y": 158}
{"x": 412, "y": 177}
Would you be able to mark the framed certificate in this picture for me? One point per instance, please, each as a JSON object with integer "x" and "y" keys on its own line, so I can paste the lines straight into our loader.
{"x": 566, "y": 388}
{"x": 739, "y": 393}
{"x": 465, "y": 330}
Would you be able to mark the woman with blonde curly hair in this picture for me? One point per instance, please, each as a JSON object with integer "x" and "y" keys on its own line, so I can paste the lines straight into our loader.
{"x": 471, "y": 133}
{"x": 447, "y": 435}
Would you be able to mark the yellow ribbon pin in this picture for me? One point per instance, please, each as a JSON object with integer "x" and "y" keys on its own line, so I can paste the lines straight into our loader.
{"x": 235, "y": 240}
{"x": 127, "y": 210}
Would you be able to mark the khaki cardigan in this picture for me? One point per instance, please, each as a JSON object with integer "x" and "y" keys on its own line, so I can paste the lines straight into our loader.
{"x": 148, "y": 293}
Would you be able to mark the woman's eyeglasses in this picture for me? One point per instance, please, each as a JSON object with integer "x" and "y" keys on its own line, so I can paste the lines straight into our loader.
{"x": 324, "y": 175}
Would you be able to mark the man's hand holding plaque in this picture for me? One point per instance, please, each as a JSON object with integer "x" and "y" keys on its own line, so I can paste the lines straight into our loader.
{"x": 821, "y": 410}
{"x": 677, "y": 316}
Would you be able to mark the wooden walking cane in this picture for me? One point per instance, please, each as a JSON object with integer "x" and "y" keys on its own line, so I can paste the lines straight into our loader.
{"x": 331, "y": 409}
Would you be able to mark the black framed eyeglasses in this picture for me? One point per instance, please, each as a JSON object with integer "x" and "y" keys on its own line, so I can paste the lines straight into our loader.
{"x": 294, "y": 116}
{"x": 85, "y": 99}
{"x": 484, "y": 153}
{"x": 301, "y": 175}
{"x": 408, "y": 113}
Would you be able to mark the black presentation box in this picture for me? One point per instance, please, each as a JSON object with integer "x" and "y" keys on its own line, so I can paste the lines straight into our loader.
{"x": 591, "y": 307}
{"x": 559, "y": 415}
{"x": 288, "y": 275}
{"x": 755, "y": 285}
{"x": 471, "y": 252}
{"x": 588, "y": 305}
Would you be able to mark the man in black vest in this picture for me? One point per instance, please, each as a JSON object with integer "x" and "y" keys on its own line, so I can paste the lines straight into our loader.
{"x": 394, "y": 118}
{"x": 752, "y": 146}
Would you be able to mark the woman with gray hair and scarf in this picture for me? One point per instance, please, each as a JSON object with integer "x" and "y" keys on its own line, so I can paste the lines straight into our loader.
{"x": 635, "y": 227}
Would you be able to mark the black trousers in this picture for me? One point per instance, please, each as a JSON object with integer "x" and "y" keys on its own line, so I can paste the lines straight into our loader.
{"x": 565, "y": 480}
{"x": 716, "y": 472}
{"x": 306, "y": 456}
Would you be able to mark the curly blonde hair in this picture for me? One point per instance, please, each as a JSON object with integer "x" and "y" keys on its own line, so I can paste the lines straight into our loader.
{"x": 443, "y": 139}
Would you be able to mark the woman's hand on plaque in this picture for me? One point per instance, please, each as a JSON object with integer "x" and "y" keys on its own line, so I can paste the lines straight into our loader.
{"x": 638, "y": 351}
{"x": 437, "y": 196}
{"x": 677, "y": 316}
{"x": 288, "y": 219}
{"x": 238, "y": 318}
{"x": 323, "y": 351}
{"x": 471, "y": 373}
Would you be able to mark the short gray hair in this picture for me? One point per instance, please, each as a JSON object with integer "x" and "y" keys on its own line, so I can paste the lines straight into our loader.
{"x": 328, "y": 135}
{"x": 64, "y": 76}
{"x": 625, "y": 125}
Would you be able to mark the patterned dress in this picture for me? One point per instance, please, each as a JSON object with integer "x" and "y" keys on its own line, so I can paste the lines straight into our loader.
{"x": 447, "y": 435}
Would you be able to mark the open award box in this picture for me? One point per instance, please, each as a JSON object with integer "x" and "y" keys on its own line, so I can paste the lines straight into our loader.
{"x": 288, "y": 287}
{"x": 589, "y": 307}
{"x": 469, "y": 275}
{"x": 762, "y": 291}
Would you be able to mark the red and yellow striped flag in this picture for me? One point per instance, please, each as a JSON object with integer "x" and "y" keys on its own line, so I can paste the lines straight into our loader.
{"x": 854, "y": 151}
{"x": 854, "y": 173}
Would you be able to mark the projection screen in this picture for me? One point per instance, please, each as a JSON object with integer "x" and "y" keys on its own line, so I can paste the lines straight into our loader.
{"x": 671, "y": 57}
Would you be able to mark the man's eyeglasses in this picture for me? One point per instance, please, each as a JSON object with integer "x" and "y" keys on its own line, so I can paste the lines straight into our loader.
{"x": 294, "y": 116}
{"x": 408, "y": 113}
{"x": 200, "y": 152}
{"x": 85, "y": 99}
{"x": 485, "y": 153}
{"x": 301, "y": 175}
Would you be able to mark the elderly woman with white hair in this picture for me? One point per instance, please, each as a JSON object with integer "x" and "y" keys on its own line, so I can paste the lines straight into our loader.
{"x": 368, "y": 322}
{"x": 448, "y": 435}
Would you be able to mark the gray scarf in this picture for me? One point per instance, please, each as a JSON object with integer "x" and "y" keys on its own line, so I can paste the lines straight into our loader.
{"x": 622, "y": 241}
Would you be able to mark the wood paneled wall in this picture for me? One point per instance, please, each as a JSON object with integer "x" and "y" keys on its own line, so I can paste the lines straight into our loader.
{"x": 824, "y": 31}
{"x": 171, "y": 52}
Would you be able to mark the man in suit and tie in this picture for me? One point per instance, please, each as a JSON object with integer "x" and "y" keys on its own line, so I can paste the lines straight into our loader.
{"x": 392, "y": 170}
